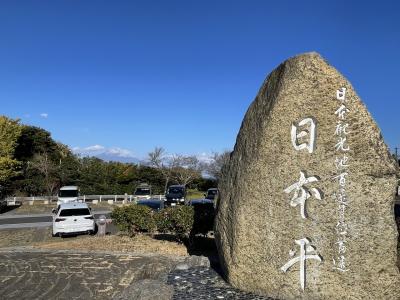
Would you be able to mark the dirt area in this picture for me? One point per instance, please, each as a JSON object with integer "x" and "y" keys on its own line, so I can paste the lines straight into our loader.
{"x": 41, "y": 238}
{"x": 23, "y": 237}
{"x": 137, "y": 244}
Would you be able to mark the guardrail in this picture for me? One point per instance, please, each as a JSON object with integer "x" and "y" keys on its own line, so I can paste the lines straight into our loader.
{"x": 94, "y": 199}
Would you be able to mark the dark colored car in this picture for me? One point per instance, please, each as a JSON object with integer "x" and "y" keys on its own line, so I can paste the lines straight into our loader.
{"x": 397, "y": 210}
{"x": 211, "y": 194}
{"x": 154, "y": 204}
{"x": 204, "y": 215}
{"x": 3, "y": 204}
{"x": 201, "y": 202}
{"x": 176, "y": 194}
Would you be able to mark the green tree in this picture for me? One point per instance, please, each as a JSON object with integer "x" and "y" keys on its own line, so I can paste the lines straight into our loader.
{"x": 68, "y": 166}
{"x": 45, "y": 164}
{"x": 10, "y": 130}
{"x": 34, "y": 140}
{"x": 153, "y": 176}
{"x": 91, "y": 176}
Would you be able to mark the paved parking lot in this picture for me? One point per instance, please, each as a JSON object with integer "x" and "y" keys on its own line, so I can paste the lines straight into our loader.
{"x": 64, "y": 275}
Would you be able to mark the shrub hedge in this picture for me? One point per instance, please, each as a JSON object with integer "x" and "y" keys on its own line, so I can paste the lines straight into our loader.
{"x": 134, "y": 218}
{"x": 182, "y": 218}
{"x": 181, "y": 221}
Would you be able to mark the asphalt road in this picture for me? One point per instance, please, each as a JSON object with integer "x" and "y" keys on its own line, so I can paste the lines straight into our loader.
{"x": 16, "y": 219}
{"x": 35, "y": 221}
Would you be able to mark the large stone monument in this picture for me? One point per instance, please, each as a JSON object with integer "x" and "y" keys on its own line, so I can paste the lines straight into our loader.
{"x": 306, "y": 202}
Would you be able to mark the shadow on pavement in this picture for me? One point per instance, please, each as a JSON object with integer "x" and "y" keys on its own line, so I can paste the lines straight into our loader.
{"x": 4, "y": 208}
{"x": 198, "y": 245}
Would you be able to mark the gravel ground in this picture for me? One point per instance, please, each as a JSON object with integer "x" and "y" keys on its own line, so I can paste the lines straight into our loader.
{"x": 205, "y": 283}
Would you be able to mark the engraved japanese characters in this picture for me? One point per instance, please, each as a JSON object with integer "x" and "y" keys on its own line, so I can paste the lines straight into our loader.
{"x": 306, "y": 201}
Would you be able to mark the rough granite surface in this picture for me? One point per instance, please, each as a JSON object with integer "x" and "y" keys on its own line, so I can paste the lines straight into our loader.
{"x": 256, "y": 227}
{"x": 205, "y": 283}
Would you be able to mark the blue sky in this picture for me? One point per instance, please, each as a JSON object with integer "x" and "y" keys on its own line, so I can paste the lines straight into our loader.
{"x": 132, "y": 75}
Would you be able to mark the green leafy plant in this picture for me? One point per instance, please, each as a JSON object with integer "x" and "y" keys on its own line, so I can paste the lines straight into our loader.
{"x": 133, "y": 219}
{"x": 181, "y": 218}
{"x": 181, "y": 221}
{"x": 163, "y": 221}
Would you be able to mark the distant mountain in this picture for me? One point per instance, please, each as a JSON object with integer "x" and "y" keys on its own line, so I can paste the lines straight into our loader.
{"x": 111, "y": 157}
{"x": 108, "y": 154}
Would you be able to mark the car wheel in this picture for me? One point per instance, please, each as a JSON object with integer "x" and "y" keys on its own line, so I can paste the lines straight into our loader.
{"x": 54, "y": 234}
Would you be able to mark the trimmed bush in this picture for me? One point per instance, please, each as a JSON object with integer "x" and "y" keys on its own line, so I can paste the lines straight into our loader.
{"x": 163, "y": 221}
{"x": 175, "y": 220}
{"x": 134, "y": 218}
{"x": 181, "y": 218}
{"x": 181, "y": 221}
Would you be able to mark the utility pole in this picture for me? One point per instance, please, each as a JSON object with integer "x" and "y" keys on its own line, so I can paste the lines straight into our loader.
{"x": 397, "y": 158}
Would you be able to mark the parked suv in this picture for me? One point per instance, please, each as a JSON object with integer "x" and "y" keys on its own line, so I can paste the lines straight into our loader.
{"x": 68, "y": 194}
{"x": 176, "y": 194}
{"x": 73, "y": 218}
{"x": 143, "y": 191}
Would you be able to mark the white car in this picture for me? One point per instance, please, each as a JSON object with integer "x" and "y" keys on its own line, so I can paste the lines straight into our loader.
{"x": 72, "y": 218}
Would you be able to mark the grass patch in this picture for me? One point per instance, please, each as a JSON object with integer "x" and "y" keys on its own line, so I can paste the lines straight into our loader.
{"x": 194, "y": 194}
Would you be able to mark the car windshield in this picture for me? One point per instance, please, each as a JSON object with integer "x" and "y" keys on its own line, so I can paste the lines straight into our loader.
{"x": 175, "y": 190}
{"x": 68, "y": 193}
{"x": 212, "y": 192}
{"x": 74, "y": 212}
{"x": 142, "y": 191}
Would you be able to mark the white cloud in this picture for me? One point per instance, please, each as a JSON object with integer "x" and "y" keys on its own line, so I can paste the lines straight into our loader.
{"x": 44, "y": 115}
{"x": 205, "y": 157}
{"x": 94, "y": 148}
{"x": 120, "y": 152}
{"x": 104, "y": 152}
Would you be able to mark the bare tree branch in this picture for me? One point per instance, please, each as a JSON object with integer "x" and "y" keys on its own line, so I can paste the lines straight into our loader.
{"x": 158, "y": 159}
{"x": 185, "y": 169}
{"x": 48, "y": 169}
{"x": 215, "y": 167}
